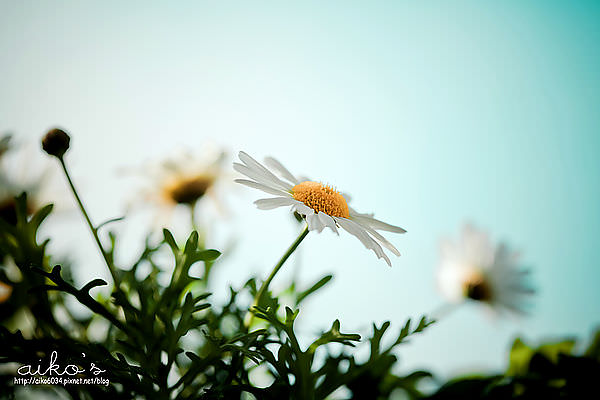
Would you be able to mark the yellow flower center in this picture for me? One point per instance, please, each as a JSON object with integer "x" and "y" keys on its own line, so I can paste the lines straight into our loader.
{"x": 321, "y": 197}
{"x": 188, "y": 190}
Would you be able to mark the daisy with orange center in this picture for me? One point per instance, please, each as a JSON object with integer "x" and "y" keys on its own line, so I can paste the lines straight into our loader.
{"x": 321, "y": 205}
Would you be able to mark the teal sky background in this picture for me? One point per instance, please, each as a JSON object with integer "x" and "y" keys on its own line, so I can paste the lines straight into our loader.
{"x": 430, "y": 114}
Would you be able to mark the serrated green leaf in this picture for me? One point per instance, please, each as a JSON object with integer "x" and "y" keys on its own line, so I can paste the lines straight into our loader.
{"x": 170, "y": 240}
{"x": 191, "y": 244}
{"x": 290, "y": 316}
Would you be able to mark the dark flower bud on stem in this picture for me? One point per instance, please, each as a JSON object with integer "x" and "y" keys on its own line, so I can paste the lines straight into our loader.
{"x": 56, "y": 142}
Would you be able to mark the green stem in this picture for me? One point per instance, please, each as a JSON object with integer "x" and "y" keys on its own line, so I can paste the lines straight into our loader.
{"x": 267, "y": 282}
{"x": 94, "y": 230}
{"x": 193, "y": 216}
{"x": 201, "y": 242}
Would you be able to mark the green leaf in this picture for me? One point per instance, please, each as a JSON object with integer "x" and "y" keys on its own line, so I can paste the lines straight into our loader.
{"x": 170, "y": 240}
{"x": 109, "y": 221}
{"x": 207, "y": 255}
{"x": 322, "y": 282}
{"x": 290, "y": 316}
{"x": 376, "y": 339}
{"x": 92, "y": 284}
{"x": 334, "y": 335}
{"x": 552, "y": 350}
{"x": 191, "y": 244}
{"x": 40, "y": 216}
{"x": 405, "y": 332}
{"x": 519, "y": 357}
{"x": 593, "y": 351}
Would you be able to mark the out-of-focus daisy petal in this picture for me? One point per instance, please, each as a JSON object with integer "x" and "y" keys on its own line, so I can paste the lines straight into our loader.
{"x": 183, "y": 178}
{"x": 21, "y": 171}
{"x": 475, "y": 269}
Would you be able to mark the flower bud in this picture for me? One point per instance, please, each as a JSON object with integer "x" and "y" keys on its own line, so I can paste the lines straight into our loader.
{"x": 56, "y": 142}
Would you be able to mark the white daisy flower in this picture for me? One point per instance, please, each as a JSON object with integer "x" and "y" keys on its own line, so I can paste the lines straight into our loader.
{"x": 475, "y": 269}
{"x": 320, "y": 204}
{"x": 184, "y": 179}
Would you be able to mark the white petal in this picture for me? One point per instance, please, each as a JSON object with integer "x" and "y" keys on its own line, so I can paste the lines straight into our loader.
{"x": 314, "y": 223}
{"x": 263, "y": 187}
{"x": 381, "y": 240}
{"x": 477, "y": 247}
{"x": 302, "y": 208}
{"x": 279, "y": 168}
{"x": 358, "y": 231}
{"x": 253, "y": 164}
{"x": 328, "y": 221}
{"x": 261, "y": 177}
{"x": 273, "y": 202}
{"x": 367, "y": 219}
{"x": 450, "y": 277}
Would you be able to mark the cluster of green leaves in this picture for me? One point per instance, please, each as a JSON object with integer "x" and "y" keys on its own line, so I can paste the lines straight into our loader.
{"x": 165, "y": 341}
{"x": 371, "y": 379}
{"x": 550, "y": 371}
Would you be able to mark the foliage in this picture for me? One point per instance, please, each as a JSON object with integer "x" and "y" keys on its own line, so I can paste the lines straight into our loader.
{"x": 166, "y": 341}
{"x": 157, "y": 336}
{"x": 551, "y": 371}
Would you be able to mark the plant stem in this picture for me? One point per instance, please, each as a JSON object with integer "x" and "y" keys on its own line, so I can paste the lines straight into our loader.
{"x": 94, "y": 230}
{"x": 267, "y": 282}
{"x": 201, "y": 241}
{"x": 193, "y": 216}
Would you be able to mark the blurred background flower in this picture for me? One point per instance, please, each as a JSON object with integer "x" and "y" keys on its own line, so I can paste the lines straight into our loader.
{"x": 184, "y": 179}
{"x": 461, "y": 111}
{"x": 473, "y": 268}
{"x": 22, "y": 170}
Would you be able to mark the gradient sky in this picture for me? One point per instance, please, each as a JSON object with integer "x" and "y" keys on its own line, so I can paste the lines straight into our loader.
{"x": 429, "y": 113}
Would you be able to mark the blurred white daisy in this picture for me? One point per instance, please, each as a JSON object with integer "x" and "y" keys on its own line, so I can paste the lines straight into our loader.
{"x": 321, "y": 205}
{"x": 19, "y": 172}
{"x": 185, "y": 178}
{"x": 476, "y": 269}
